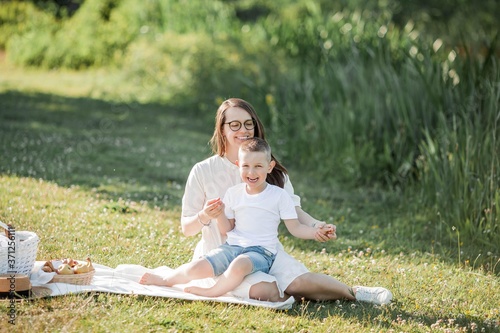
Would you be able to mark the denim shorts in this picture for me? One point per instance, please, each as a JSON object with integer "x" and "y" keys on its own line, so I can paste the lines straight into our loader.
{"x": 220, "y": 258}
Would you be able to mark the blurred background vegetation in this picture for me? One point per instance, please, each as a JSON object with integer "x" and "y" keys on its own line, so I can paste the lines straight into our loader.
{"x": 392, "y": 94}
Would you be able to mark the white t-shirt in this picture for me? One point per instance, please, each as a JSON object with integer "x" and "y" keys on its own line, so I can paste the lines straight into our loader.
{"x": 210, "y": 179}
{"x": 257, "y": 216}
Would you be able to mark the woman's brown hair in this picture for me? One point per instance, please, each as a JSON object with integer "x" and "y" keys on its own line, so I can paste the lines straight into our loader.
{"x": 218, "y": 143}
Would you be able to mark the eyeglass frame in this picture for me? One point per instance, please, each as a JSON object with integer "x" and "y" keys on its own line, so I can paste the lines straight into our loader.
{"x": 241, "y": 124}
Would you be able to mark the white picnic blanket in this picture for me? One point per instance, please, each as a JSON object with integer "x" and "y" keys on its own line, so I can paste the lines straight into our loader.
{"x": 124, "y": 279}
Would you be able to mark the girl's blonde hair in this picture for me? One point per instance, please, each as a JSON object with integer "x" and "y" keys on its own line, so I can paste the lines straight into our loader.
{"x": 218, "y": 142}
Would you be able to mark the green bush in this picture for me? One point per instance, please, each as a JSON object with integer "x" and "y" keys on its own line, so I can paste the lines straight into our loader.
{"x": 25, "y": 32}
{"x": 91, "y": 37}
{"x": 95, "y": 36}
{"x": 11, "y": 20}
{"x": 196, "y": 69}
{"x": 99, "y": 33}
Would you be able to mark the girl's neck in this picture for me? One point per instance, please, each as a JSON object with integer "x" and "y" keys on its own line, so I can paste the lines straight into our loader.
{"x": 253, "y": 191}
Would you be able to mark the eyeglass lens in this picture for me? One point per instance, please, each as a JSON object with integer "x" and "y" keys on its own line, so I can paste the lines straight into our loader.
{"x": 236, "y": 125}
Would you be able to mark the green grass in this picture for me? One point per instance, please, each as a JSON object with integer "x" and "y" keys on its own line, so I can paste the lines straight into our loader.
{"x": 103, "y": 177}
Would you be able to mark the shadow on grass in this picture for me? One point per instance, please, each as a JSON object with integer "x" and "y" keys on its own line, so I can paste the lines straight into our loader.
{"x": 139, "y": 152}
{"x": 363, "y": 315}
{"x": 391, "y": 316}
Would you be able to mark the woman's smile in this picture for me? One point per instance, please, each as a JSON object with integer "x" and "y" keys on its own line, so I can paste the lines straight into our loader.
{"x": 243, "y": 138}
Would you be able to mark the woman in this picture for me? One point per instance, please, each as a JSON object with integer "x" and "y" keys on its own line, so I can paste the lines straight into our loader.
{"x": 236, "y": 121}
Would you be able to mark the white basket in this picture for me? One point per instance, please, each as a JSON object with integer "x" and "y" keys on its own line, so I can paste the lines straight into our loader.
{"x": 18, "y": 257}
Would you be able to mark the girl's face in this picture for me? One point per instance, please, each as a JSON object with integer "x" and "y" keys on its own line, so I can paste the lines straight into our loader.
{"x": 237, "y": 117}
{"x": 254, "y": 167}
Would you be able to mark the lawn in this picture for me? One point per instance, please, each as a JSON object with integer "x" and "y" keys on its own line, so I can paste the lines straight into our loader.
{"x": 103, "y": 177}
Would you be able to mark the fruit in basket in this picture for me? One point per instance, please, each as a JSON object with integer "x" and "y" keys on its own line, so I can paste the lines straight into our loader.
{"x": 72, "y": 263}
{"x": 48, "y": 267}
{"x": 84, "y": 267}
{"x": 64, "y": 269}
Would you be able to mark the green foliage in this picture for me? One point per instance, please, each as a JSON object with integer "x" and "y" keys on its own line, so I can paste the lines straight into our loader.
{"x": 19, "y": 19}
{"x": 314, "y": 35}
{"x": 459, "y": 22}
{"x": 10, "y": 22}
{"x": 99, "y": 33}
{"x": 95, "y": 35}
{"x": 175, "y": 67}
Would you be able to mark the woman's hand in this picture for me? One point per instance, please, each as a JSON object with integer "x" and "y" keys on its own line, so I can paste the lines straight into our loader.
{"x": 325, "y": 232}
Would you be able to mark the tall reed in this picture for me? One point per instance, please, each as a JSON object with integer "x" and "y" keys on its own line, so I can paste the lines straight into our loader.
{"x": 427, "y": 127}
{"x": 460, "y": 162}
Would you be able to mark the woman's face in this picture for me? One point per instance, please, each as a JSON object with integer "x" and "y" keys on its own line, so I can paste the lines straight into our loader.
{"x": 235, "y": 138}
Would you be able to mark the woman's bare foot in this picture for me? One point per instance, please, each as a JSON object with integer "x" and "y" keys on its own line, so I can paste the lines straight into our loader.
{"x": 153, "y": 279}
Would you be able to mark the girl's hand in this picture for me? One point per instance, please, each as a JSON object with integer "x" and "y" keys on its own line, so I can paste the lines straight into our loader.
{"x": 213, "y": 208}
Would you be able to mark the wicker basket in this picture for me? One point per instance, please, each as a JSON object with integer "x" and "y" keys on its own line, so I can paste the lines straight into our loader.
{"x": 82, "y": 279}
{"x": 19, "y": 256}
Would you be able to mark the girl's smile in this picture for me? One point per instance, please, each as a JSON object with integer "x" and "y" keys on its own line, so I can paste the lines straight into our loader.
{"x": 254, "y": 167}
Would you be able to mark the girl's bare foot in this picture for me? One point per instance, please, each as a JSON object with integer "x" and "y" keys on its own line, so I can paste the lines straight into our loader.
{"x": 153, "y": 279}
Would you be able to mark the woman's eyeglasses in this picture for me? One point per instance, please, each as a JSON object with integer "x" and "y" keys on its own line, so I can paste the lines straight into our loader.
{"x": 235, "y": 125}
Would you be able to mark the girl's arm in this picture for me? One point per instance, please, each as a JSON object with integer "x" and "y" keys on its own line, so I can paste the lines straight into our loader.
{"x": 224, "y": 224}
{"x": 302, "y": 231}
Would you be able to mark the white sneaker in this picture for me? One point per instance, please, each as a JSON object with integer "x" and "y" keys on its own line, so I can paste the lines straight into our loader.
{"x": 375, "y": 295}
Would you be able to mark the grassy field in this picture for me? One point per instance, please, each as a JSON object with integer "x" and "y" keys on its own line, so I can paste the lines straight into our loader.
{"x": 103, "y": 177}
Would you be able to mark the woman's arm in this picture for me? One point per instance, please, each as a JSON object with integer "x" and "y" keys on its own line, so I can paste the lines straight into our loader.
{"x": 322, "y": 235}
{"x": 191, "y": 225}
{"x": 306, "y": 219}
